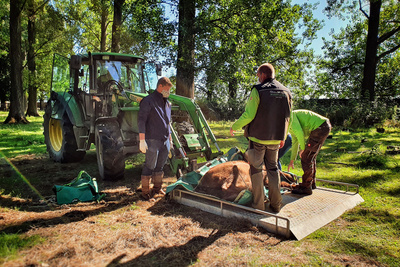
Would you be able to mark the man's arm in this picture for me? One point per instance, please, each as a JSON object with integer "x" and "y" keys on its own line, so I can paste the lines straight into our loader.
{"x": 142, "y": 116}
{"x": 249, "y": 113}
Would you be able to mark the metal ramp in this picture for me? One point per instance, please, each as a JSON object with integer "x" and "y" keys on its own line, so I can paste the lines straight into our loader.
{"x": 299, "y": 216}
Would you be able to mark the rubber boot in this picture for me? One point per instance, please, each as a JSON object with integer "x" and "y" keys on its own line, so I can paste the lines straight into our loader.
{"x": 145, "y": 179}
{"x": 157, "y": 181}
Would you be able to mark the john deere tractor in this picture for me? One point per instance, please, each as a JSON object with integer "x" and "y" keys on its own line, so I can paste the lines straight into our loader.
{"x": 95, "y": 99}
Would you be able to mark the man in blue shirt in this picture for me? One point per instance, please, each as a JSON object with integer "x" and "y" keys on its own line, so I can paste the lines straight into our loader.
{"x": 155, "y": 136}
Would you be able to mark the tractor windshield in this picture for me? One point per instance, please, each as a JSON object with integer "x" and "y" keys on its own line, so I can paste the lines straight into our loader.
{"x": 127, "y": 74}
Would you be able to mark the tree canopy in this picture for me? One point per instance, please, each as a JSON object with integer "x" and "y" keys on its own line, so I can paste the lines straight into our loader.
{"x": 215, "y": 46}
{"x": 362, "y": 60}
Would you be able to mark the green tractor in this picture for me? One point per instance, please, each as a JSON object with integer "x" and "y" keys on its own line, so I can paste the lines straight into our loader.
{"x": 95, "y": 99}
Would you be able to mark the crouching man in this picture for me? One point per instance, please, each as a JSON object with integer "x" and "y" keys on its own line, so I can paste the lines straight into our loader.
{"x": 155, "y": 136}
{"x": 309, "y": 131}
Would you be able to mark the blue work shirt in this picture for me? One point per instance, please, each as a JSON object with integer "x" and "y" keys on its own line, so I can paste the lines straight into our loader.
{"x": 154, "y": 117}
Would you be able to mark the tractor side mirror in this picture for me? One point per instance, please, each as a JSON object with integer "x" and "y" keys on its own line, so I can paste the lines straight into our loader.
{"x": 75, "y": 62}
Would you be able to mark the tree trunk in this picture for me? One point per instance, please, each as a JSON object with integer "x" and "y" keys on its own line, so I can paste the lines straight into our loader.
{"x": 232, "y": 86}
{"x": 103, "y": 33}
{"x": 16, "y": 113}
{"x": 116, "y": 27}
{"x": 368, "y": 83}
{"x": 32, "y": 85}
{"x": 186, "y": 46}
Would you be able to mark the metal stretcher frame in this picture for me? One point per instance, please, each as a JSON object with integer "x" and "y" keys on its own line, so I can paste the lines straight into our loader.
{"x": 280, "y": 225}
{"x": 177, "y": 195}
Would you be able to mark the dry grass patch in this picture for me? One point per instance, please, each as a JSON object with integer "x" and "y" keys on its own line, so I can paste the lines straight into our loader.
{"x": 126, "y": 231}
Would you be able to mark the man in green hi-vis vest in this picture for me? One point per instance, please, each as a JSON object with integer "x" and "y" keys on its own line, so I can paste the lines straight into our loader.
{"x": 309, "y": 131}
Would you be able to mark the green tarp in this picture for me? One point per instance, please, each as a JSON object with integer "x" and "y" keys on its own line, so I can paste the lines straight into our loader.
{"x": 83, "y": 188}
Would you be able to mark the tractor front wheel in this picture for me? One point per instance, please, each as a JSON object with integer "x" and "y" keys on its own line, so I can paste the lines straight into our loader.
{"x": 109, "y": 149}
{"x": 60, "y": 139}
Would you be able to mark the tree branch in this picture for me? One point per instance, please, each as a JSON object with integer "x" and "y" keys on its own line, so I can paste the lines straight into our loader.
{"x": 387, "y": 35}
{"x": 365, "y": 14}
{"x": 108, "y": 23}
{"x": 41, "y": 6}
{"x": 388, "y": 52}
{"x": 343, "y": 69}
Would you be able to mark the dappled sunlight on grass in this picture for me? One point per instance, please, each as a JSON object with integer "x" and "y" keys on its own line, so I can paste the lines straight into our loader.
{"x": 227, "y": 143}
{"x": 17, "y": 139}
{"x": 14, "y": 151}
{"x": 369, "y": 233}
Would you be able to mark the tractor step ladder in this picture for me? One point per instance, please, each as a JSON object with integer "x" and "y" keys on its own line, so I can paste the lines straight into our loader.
{"x": 300, "y": 215}
{"x": 85, "y": 139}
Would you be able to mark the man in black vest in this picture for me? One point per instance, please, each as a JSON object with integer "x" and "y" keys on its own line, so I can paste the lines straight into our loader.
{"x": 266, "y": 118}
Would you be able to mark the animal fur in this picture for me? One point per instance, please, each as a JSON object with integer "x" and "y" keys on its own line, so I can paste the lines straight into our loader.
{"x": 228, "y": 179}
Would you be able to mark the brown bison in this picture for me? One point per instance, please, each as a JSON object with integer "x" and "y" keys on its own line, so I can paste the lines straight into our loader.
{"x": 228, "y": 179}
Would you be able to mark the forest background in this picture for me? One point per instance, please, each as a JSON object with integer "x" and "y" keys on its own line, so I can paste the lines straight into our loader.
{"x": 215, "y": 47}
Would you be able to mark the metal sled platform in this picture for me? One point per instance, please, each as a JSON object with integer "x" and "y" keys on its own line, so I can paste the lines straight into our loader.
{"x": 300, "y": 215}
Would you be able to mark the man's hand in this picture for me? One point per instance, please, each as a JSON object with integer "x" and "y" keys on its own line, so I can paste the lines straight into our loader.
{"x": 291, "y": 165}
{"x": 96, "y": 98}
{"x": 143, "y": 146}
{"x": 171, "y": 147}
{"x": 232, "y": 134}
{"x": 301, "y": 153}
{"x": 281, "y": 144}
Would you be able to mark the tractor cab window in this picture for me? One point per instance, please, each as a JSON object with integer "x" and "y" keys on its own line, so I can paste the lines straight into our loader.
{"x": 61, "y": 74}
{"x": 84, "y": 80}
{"x": 113, "y": 74}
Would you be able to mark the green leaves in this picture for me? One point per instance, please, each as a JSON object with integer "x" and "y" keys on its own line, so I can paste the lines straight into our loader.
{"x": 340, "y": 72}
{"x": 234, "y": 37}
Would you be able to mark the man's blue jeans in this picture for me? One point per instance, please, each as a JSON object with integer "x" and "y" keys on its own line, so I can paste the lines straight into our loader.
{"x": 156, "y": 156}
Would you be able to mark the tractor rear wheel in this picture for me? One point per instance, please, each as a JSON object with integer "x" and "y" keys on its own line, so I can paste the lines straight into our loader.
{"x": 110, "y": 151}
{"x": 60, "y": 139}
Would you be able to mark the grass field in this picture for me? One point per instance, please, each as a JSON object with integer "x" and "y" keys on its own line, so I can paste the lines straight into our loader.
{"x": 165, "y": 234}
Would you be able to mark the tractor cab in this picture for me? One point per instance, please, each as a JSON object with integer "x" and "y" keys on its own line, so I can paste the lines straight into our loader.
{"x": 95, "y": 99}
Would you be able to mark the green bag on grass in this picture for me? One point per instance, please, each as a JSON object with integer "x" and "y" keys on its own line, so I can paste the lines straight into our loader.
{"x": 83, "y": 188}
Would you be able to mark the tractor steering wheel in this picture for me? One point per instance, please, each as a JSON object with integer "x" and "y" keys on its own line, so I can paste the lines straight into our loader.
{"x": 109, "y": 92}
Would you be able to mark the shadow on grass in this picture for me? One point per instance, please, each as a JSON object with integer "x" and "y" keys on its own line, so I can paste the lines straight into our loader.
{"x": 81, "y": 211}
{"x": 26, "y": 184}
{"x": 33, "y": 177}
{"x": 187, "y": 254}
{"x": 395, "y": 192}
{"x": 25, "y": 180}
{"x": 356, "y": 247}
{"x": 183, "y": 255}
{"x": 167, "y": 207}
{"x": 375, "y": 216}
{"x": 368, "y": 180}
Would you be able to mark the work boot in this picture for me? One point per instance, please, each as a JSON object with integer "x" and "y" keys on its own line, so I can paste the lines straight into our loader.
{"x": 302, "y": 190}
{"x": 157, "y": 181}
{"x": 145, "y": 179}
{"x": 275, "y": 209}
